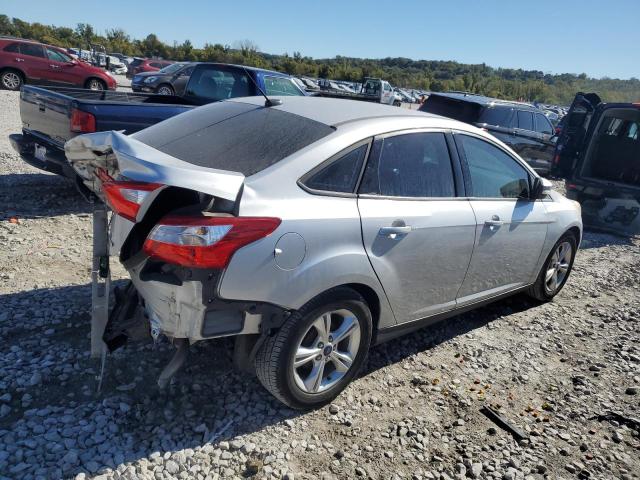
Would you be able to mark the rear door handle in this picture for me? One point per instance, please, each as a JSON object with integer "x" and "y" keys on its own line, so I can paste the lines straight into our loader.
{"x": 389, "y": 231}
{"x": 494, "y": 222}
{"x": 54, "y": 66}
{"x": 19, "y": 59}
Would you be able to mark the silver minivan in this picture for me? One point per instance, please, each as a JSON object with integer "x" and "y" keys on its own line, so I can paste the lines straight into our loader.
{"x": 313, "y": 228}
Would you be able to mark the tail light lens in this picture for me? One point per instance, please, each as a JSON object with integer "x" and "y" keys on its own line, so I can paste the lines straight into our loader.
{"x": 125, "y": 198}
{"x": 82, "y": 122}
{"x": 205, "y": 242}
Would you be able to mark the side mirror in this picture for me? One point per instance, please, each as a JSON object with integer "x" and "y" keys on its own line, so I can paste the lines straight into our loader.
{"x": 541, "y": 187}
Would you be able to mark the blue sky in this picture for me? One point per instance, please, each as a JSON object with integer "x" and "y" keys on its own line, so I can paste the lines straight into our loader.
{"x": 597, "y": 37}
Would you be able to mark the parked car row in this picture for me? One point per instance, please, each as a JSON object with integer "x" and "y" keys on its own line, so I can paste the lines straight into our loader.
{"x": 24, "y": 61}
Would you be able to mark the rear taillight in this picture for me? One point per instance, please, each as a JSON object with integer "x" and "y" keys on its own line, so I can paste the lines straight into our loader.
{"x": 82, "y": 122}
{"x": 205, "y": 242}
{"x": 125, "y": 198}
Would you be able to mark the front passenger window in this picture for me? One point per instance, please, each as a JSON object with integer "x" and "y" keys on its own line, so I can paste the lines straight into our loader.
{"x": 493, "y": 173}
{"x": 411, "y": 165}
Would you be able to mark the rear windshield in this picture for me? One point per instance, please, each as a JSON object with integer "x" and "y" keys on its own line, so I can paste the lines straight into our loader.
{"x": 233, "y": 136}
{"x": 467, "y": 112}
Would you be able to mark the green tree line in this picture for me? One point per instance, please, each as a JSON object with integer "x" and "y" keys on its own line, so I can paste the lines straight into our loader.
{"x": 434, "y": 75}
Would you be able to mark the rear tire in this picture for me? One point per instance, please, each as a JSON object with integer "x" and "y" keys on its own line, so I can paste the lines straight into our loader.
{"x": 165, "y": 89}
{"x": 95, "y": 84}
{"x": 11, "y": 79}
{"x": 296, "y": 365}
{"x": 555, "y": 270}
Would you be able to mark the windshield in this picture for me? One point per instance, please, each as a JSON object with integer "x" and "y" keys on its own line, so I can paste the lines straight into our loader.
{"x": 173, "y": 68}
{"x": 233, "y": 136}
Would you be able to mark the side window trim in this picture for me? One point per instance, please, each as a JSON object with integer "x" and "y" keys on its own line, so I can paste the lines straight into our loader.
{"x": 353, "y": 194}
{"x": 453, "y": 158}
{"x": 467, "y": 175}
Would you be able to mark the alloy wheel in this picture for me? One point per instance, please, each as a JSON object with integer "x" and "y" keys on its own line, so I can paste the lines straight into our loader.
{"x": 558, "y": 267}
{"x": 95, "y": 85}
{"x": 11, "y": 80}
{"x": 164, "y": 91}
{"x": 326, "y": 351}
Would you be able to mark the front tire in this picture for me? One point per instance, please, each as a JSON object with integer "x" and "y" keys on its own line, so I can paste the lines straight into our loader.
{"x": 556, "y": 269}
{"x": 95, "y": 84}
{"x": 11, "y": 80}
{"x": 318, "y": 350}
{"x": 165, "y": 90}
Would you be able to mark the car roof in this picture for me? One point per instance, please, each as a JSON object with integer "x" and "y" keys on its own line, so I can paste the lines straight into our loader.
{"x": 253, "y": 69}
{"x": 336, "y": 111}
{"x": 484, "y": 100}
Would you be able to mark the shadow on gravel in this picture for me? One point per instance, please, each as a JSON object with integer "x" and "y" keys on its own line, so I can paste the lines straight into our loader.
{"x": 429, "y": 337}
{"x": 37, "y": 195}
{"x": 48, "y": 373}
{"x": 598, "y": 239}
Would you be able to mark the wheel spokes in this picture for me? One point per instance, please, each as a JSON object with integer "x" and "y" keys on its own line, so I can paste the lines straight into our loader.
{"x": 323, "y": 327}
{"x": 314, "y": 380}
{"x": 348, "y": 326}
{"x": 304, "y": 355}
{"x": 341, "y": 360}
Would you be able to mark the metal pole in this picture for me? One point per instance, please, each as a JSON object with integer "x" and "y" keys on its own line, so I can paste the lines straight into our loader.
{"x": 100, "y": 279}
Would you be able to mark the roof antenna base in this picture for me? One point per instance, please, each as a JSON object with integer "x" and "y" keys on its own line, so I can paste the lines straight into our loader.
{"x": 272, "y": 102}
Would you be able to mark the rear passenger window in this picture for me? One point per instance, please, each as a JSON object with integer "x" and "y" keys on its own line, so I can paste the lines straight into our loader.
{"x": 411, "y": 165}
{"x": 32, "y": 50}
{"x": 494, "y": 174}
{"x": 543, "y": 125}
{"x": 340, "y": 175}
{"x": 498, "y": 116}
{"x": 12, "y": 47}
{"x": 525, "y": 120}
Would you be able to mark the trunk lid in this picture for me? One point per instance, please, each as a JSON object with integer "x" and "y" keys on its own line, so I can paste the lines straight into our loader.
{"x": 123, "y": 156}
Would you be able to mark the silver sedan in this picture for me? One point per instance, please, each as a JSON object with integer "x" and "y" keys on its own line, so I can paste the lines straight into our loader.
{"x": 312, "y": 229}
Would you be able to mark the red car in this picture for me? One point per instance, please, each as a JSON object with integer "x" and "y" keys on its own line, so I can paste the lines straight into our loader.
{"x": 25, "y": 61}
{"x": 140, "y": 65}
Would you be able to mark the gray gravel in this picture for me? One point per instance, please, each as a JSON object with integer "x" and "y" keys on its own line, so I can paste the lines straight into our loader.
{"x": 567, "y": 373}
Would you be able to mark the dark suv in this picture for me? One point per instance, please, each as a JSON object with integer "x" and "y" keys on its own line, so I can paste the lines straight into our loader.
{"x": 521, "y": 126}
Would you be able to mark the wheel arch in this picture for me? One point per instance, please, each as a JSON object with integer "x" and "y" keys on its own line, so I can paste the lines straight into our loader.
{"x": 14, "y": 69}
{"x": 94, "y": 77}
{"x": 165, "y": 84}
{"x": 577, "y": 232}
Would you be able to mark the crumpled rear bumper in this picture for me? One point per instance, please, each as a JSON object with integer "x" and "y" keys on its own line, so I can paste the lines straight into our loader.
{"x": 53, "y": 161}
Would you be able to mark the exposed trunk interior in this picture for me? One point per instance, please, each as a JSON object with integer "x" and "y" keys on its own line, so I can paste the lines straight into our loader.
{"x": 614, "y": 151}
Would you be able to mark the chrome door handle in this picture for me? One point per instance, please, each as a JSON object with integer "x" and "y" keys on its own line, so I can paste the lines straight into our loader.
{"x": 389, "y": 231}
{"x": 494, "y": 222}
{"x": 19, "y": 59}
{"x": 54, "y": 66}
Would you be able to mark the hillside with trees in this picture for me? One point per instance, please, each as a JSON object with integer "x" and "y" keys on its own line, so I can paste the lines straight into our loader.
{"x": 431, "y": 75}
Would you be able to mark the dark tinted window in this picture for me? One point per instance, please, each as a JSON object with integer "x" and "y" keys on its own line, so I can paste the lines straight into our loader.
{"x": 525, "y": 120}
{"x": 32, "y": 50}
{"x": 498, "y": 116}
{"x": 156, "y": 64}
{"x": 494, "y": 174}
{"x": 136, "y": 62}
{"x": 215, "y": 83}
{"x": 341, "y": 175}
{"x": 411, "y": 165}
{"x": 12, "y": 47}
{"x": 543, "y": 125}
{"x": 233, "y": 136}
{"x": 461, "y": 110}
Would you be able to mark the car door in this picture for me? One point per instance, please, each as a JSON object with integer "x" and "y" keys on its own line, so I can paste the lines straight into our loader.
{"x": 574, "y": 131}
{"x": 510, "y": 227}
{"x": 417, "y": 233}
{"x": 31, "y": 60}
{"x": 61, "y": 68}
{"x": 180, "y": 80}
{"x": 547, "y": 139}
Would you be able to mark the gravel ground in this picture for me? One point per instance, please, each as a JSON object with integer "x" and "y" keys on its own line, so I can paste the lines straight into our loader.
{"x": 567, "y": 373}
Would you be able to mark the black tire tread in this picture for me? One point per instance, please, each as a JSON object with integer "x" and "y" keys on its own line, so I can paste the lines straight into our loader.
{"x": 267, "y": 357}
{"x": 20, "y": 74}
{"x": 537, "y": 289}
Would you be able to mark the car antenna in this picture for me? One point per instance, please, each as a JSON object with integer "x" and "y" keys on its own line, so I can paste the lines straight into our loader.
{"x": 268, "y": 102}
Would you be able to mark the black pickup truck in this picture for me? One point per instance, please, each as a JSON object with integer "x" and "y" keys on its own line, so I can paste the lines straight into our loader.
{"x": 52, "y": 116}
